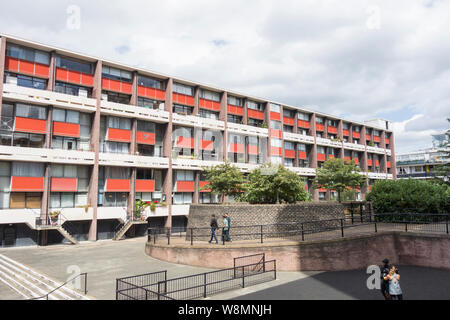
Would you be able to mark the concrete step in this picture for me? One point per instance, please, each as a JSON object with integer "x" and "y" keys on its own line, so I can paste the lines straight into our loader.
{"x": 31, "y": 284}
{"x": 123, "y": 230}
{"x": 67, "y": 235}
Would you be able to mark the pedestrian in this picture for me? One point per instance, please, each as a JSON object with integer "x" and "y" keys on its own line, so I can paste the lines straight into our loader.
{"x": 385, "y": 269}
{"x": 229, "y": 225}
{"x": 214, "y": 226}
{"x": 394, "y": 285}
{"x": 225, "y": 234}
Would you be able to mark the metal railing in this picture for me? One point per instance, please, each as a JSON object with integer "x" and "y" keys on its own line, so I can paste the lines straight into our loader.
{"x": 61, "y": 221}
{"x": 46, "y": 296}
{"x": 201, "y": 285}
{"x": 136, "y": 287}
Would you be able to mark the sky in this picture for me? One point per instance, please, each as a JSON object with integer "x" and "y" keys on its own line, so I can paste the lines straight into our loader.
{"x": 356, "y": 59}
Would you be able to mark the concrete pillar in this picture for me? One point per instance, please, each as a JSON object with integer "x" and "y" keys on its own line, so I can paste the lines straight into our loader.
{"x": 132, "y": 194}
{"x": 340, "y": 135}
{"x": 52, "y": 72}
{"x": 45, "y": 193}
{"x": 134, "y": 90}
{"x": 224, "y": 117}
{"x": 49, "y": 128}
{"x": 245, "y": 115}
{"x": 196, "y": 101}
{"x": 167, "y": 151}
{"x": 2, "y": 68}
{"x": 197, "y": 186}
{"x": 393, "y": 164}
{"x": 95, "y": 146}
{"x": 223, "y": 106}
{"x": 312, "y": 157}
{"x": 267, "y": 120}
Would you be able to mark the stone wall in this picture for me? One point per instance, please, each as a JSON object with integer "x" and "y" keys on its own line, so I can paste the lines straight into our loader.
{"x": 275, "y": 218}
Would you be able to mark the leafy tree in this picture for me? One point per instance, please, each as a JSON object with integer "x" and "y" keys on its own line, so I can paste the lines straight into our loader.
{"x": 224, "y": 180}
{"x": 409, "y": 196}
{"x": 270, "y": 184}
{"x": 336, "y": 174}
{"x": 442, "y": 171}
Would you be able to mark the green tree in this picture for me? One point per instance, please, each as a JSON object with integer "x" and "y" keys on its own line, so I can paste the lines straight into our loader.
{"x": 224, "y": 180}
{"x": 270, "y": 184}
{"x": 336, "y": 174}
{"x": 442, "y": 171}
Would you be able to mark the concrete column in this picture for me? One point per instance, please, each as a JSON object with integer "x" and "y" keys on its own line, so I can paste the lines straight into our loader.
{"x": 132, "y": 194}
{"x": 2, "y": 68}
{"x": 325, "y": 130}
{"x": 295, "y": 130}
{"x": 197, "y": 186}
{"x": 95, "y": 146}
{"x": 52, "y": 72}
{"x": 49, "y": 129}
{"x": 196, "y": 101}
{"x": 223, "y": 106}
{"x": 269, "y": 139}
{"x": 224, "y": 118}
{"x": 134, "y": 88}
{"x": 312, "y": 157}
{"x": 167, "y": 151}
{"x": 198, "y": 136}
{"x": 45, "y": 193}
{"x": 341, "y": 136}
{"x": 245, "y": 115}
{"x": 393, "y": 163}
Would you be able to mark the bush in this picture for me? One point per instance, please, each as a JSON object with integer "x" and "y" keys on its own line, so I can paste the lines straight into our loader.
{"x": 409, "y": 196}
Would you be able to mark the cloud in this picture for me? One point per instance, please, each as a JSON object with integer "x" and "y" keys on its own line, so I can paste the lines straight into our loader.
{"x": 317, "y": 53}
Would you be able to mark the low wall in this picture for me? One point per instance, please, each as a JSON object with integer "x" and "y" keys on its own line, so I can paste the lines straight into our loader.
{"x": 351, "y": 253}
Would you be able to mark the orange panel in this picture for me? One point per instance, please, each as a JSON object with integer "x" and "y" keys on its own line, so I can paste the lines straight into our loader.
{"x": 346, "y": 132}
{"x": 27, "y": 184}
{"x": 64, "y": 184}
{"x": 320, "y": 127}
{"x": 126, "y": 88}
{"x": 30, "y": 125}
{"x": 206, "y": 145}
{"x": 190, "y": 100}
{"x": 376, "y": 139}
{"x": 61, "y": 74}
{"x": 369, "y": 162}
{"x": 236, "y": 148}
{"x": 288, "y": 121}
{"x": 235, "y": 110}
{"x": 302, "y": 155}
{"x": 377, "y": 163}
{"x": 66, "y": 129}
{"x": 356, "y": 160}
{"x": 11, "y": 64}
{"x": 289, "y": 154}
{"x": 320, "y": 157}
{"x": 387, "y": 141}
{"x": 145, "y": 185}
{"x": 160, "y": 94}
{"x": 356, "y": 135}
{"x": 322, "y": 190}
{"x": 183, "y": 142}
{"x": 275, "y": 151}
{"x": 303, "y": 124}
{"x": 276, "y": 134}
{"x": 332, "y": 130}
{"x": 331, "y": 156}
{"x": 115, "y": 85}
{"x": 368, "y": 137}
{"x": 74, "y": 77}
{"x": 26, "y": 67}
{"x": 216, "y": 106}
{"x": 119, "y": 135}
{"x": 388, "y": 164}
{"x": 105, "y": 84}
{"x": 145, "y": 138}
{"x": 117, "y": 185}
{"x": 185, "y": 186}
{"x": 202, "y": 184}
{"x": 41, "y": 70}
{"x": 347, "y": 159}
{"x": 142, "y": 92}
{"x": 255, "y": 114}
{"x": 275, "y": 116}
{"x": 253, "y": 150}
{"x": 87, "y": 79}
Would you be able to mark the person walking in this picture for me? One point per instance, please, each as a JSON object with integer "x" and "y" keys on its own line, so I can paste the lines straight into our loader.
{"x": 395, "y": 291}
{"x": 229, "y": 226}
{"x": 214, "y": 226}
{"x": 225, "y": 234}
{"x": 385, "y": 269}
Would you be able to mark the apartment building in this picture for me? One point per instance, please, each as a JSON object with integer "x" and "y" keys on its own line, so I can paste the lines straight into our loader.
{"x": 87, "y": 137}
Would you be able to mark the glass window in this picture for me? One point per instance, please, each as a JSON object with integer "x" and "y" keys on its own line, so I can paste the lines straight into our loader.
{"x": 29, "y": 111}
{"x": 151, "y": 83}
{"x": 303, "y": 116}
{"x": 255, "y": 105}
{"x": 119, "y": 123}
{"x": 183, "y": 89}
{"x": 277, "y": 160}
{"x": 75, "y": 65}
{"x": 320, "y": 150}
{"x": 235, "y": 101}
{"x": 301, "y": 147}
{"x": 29, "y": 54}
{"x": 209, "y": 95}
{"x": 182, "y": 198}
{"x": 319, "y": 120}
{"x": 276, "y": 143}
{"x": 275, "y": 125}
{"x": 275, "y": 108}
{"x": 27, "y": 169}
{"x": 182, "y": 109}
{"x": 288, "y": 113}
{"x": 288, "y": 145}
{"x": 289, "y": 129}
{"x": 116, "y": 74}
{"x": 234, "y": 119}
{"x": 29, "y": 82}
{"x": 288, "y": 162}
{"x": 255, "y": 122}
{"x": 208, "y": 114}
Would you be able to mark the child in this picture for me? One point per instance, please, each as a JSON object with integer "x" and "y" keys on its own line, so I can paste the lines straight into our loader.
{"x": 394, "y": 285}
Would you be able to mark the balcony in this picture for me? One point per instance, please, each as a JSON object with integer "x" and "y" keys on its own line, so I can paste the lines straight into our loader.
{"x": 247, "y": 130}
{"x": 115, "y": 159}
{"x": 128, "y": 111}
{"x": 192, "y": 164}
{"x": 198, "y": 122}
{"x": 354, "y": 146}
{"x": 375, "y": 150}
{"x": 298, "y": 138}
{"x": 328, "y": 143}
{"x": 44, "y": 97}
{"x": 303, "y": 171}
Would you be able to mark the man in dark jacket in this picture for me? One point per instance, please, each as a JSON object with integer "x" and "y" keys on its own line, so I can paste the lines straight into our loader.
{"x": 214, "y": 226}
{"x": 384, "y": 281}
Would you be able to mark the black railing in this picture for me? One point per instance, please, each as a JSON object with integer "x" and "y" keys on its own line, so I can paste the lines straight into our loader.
{"x": 201, "y": 285}
{"x": 46, "y": 296}
{"x": 137, "y": 286}
{"x": 417, "y": 222}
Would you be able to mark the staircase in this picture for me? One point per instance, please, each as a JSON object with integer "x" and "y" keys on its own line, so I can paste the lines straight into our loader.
{"x": 66, "y": 234}
{"x": 125, "y": 227}
{"x": 31, "y": 284}
{"x": 45, "y": 225}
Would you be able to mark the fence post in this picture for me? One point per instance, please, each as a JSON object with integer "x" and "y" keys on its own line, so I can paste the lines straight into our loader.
{"x": 169, "y": 231}
{"x": 264, "y": 263}
{"x": 243, "y": 277}
{"x": 262, "y": 234}
{"x": 85, "y": 282}
{"x": 204, "y": 284}
{"x": 446, "y": 223}
{"x": 117, "y": 288}
{"x": 406, "y": 226}
{"x": 146, "y": 295}
{"x": 159, "y": 290}
{"x": 303, "y": 233}
{"x": 351, "y": 210}
{"x": 275, "y": 268}
{"x": 375, "y": 223}
{"x": 361, "y": 211}
{"x": 192, "y": 236}
{"x": 342, "y": 227}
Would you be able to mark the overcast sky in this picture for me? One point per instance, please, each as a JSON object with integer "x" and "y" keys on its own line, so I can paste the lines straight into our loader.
{"x": 356, "y": 59}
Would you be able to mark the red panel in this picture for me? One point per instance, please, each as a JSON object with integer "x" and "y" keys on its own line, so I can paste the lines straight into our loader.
{"x": 369, "y": 162}
{"x": 206, "y": 145}
{"x": 64, "y": 184}
{"x": 388, "y": 164}
{"x": 276, "y": 134}
{"x": 368, "y": 137}
{"x": 377, "y": 163}
{"x": 145, "y": 138}
{"x": 253, "y": 150}
{"x": 320, "y": 127}
{"x": 289, "y": 154}
{"x": 331, "y": 156}
{"x": 347, "y": 159}
{"x": 151, "y": 93}
{"x": 114, "y": 85}
{"x": 356, "y": 135}
{"x": 126, "y": 88}
{"x": 275, "y": 116}
{"x": 145, "y": 185}
{"x": 356, "y": 160}
{"x": 202, "y": 184}
{"x": 27, "y": 184}
{"x": 376, "y": 139}
{"x": 41, "y": 70}
{"x": 320, "y": 157}
{"x": 87, "y": 79}
{"x": 160, "y": 94}
{"x": 117, "y": 185}
{"x": 346, "y": 132}
{"x": 105, "y": 84}
{"x": 288, "y": 121}
{"x": 236, "y": 148}
{"x": 190, "y": 100}
{"x": 235, "y": 110}
{"x": 387, "y": 141}
{"x": 255, "y": 114}
{"x": 275, "y": 151}
{"x": 30, "y": 125}
{"x": 73, "y": 76}
{"x": 66, "y": 129}
{"x": 142, "y": 92}
{"x": 61, "y": 74}
{"x": 185, "y": 186}
{"x": 183, "y": 99}
{"x": 119, "y": 135}
{"x": 11, "y": 64}
{"x": 322, "y": 190}
{"x": 332, "y": 130}
{"x": 302, "y": 155}
{"x": 26, "y": 67}
{"x": 303, "y": 124}
{"x": 183, "y": 142}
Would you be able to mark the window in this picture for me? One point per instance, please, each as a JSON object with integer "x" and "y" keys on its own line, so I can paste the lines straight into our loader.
{"x": 208, "y": 114}
{"x": 27, "y": 140}
{"x": 68, "y": 116}
{"x": 277, "y": 160}
{"x": 288, "y": 162}
{"x": 288, "y": 113}
{"x": 27, "y": 169}
{"x": 5, "y": 182}
{"x": 119, "y": 123}
{"x": 115, "y": 199}
{"x": 345, "y": 126}
{"x": 64, "y": 171}
{"x": 302, "y": 132}
{"x": 25, "y": 81}
{"x": 145, "y": 126}
{"x": 289, "y": 145}
{"x": 75, "y": 65}
{"x": 276, "y": 143}
{"x": 116, "y": 74}
{"x": 117, "y": 97}
{"x": 150, "y": 104}
{"x": 67, "y": 200}
{"x": 303, "y": 163}
{"x": 73, "y": 90}
{"x": 332, "y": 123}
{"x": 29, "y": 111}
{"x": 255, "y": 122}
{"x": 183, "y": 89}
{"x": 235, "y": 101}
{"x": 319, "y": 120}
{"x": 209, "y": 95}
{"x": 301, "y": 147}
{"x": 66, "y": 143}
{"x": 25, "y": 200}
{"x": 182, "y": 109}
{"x": 357, "y": 129}
{"x": 182, "y": 175}
{"x": 151, "y": 83}
{"x": 234, "y": 119}
{"x": 255, "y": 106}
{"x": 289, "y": 129}
{"x": 320, "y": 150}
{"x": 117, "y": 173}
{"x": 275, "y": 108}
{"x": 376, "y": 133}
{"x": 303, "y": 116}
{"x": 114, "y": 147}
{"x": 33, "y": 55}
{"x": 275, "y": 125}
{"x": 206, "y": 197}
{"x": 182, "y": 198}
{"x": 319, "y": 134}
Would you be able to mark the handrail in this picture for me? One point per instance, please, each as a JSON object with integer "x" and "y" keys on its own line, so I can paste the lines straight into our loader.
{"x": 64, "y": 284}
